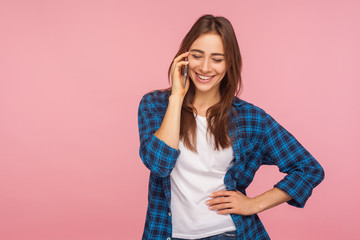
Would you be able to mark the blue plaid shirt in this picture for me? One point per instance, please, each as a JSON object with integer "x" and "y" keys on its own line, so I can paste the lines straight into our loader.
{"x": 258, "y": 140}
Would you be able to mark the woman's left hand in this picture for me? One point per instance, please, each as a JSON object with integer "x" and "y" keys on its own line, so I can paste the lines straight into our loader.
{"x": 226, "y": 202}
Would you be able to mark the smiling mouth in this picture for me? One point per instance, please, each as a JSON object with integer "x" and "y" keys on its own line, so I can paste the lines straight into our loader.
{"x": 204, "y": 79}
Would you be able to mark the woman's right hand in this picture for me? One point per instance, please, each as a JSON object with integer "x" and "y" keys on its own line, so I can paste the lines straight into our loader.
{"x": 177, "y": 80}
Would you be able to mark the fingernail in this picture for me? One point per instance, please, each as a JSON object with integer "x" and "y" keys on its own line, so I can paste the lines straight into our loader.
{"x": 208, "y": 202}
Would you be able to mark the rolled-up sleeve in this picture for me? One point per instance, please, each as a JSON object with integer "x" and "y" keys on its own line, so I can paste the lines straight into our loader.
{"x": 281, "y": 148}
{"x": 157, "y": 156}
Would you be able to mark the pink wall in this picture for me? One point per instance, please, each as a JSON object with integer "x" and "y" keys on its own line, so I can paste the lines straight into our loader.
{"x": 71, "y": 77}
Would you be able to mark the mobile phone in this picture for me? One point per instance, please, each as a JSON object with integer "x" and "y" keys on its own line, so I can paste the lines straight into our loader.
{"x": 185, "y": 72}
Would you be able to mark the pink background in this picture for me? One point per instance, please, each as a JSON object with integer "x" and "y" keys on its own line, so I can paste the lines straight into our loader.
{"x": 72, "y": 74}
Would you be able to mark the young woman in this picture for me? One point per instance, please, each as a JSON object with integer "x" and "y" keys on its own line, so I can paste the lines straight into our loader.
{"x": 203, "y": 146}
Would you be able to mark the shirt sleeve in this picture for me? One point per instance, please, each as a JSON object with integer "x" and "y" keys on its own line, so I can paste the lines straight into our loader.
{"x": 303, "y": 172}
{"x": 157, "y": 156}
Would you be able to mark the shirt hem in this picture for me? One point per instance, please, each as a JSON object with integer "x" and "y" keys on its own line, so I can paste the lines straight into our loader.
{"x": 180, "y": 235}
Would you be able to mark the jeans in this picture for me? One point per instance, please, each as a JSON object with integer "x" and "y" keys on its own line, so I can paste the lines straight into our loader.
{"x": 222, "y": 236}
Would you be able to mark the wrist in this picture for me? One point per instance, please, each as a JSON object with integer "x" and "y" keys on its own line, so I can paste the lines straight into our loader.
{"x": 177, "y": 98}
{"x": 257, "y": 205}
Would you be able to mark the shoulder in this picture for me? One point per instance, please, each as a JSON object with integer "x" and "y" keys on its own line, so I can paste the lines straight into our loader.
{"x": 245, "y": 109}
{"x": 253, "y": 117}
{"x": 156, "y": 98}
{"x": 249, "y": 118}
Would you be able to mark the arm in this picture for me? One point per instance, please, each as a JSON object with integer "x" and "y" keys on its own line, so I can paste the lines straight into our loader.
{"x": 158, "y": 153}
{"x": 226, "y": 202}
{"x": 303, "y": 172}
{"x": 270, "y": 199}
{"x": 159, "y": 135}
{"x": 169, "y": 130}
{"x": 279, "y": 148}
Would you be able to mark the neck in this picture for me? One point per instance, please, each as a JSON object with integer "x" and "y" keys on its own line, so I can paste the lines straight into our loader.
{"x": 202, "y": 99}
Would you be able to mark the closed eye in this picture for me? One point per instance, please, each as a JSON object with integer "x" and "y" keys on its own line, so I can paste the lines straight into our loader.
{"x": 216, "y": 60}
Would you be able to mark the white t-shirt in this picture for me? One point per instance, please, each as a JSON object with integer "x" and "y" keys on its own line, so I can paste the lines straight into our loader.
{"x": 193, "y": 179}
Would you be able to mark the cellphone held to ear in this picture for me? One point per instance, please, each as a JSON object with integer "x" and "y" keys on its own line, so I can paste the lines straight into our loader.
{"x": 185, "y": 72}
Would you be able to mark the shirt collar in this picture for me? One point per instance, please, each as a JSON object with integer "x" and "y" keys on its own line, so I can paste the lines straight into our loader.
{"x": 237, "y": 101}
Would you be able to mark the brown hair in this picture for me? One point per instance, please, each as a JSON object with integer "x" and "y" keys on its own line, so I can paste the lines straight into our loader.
{"x": 218, "y": 114}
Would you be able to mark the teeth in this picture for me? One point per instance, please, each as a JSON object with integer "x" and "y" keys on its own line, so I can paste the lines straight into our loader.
{"x": 203, "y": 77}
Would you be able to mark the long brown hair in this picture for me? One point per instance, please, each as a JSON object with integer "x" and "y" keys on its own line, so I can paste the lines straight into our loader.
{"x": 218, "y": 114}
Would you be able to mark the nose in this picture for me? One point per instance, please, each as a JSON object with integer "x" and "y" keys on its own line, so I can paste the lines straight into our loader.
{"x": 205, "y": 66}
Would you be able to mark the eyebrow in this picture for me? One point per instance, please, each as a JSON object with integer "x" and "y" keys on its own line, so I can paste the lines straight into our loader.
{"x": 201, "y": 51}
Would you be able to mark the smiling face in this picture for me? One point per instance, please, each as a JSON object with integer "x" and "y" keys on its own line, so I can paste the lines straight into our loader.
{"x": 207, "y": 65}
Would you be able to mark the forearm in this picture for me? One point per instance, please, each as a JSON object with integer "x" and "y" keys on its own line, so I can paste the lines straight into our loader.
{"x": 169, "y": 130}
{"x": 270, "y": 199}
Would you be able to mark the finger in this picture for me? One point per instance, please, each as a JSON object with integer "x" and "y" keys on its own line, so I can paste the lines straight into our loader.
{"x": 221, "y": 193}
{"x": 183, "y": 55}
{"x": 220, "y": 206}
{"x": 218, "y": 200}
{"x": 180, "y": 64}
{"x": 225, "y": 211}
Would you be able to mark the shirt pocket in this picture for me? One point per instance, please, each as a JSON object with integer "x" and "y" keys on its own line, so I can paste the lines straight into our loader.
{"x": 246, "y": 159}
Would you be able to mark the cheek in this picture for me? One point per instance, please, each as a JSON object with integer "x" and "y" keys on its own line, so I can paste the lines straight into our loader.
{"x": 192, "y": 65}
{"x": 192, "y": 68}
{"x": 220, "y": 69}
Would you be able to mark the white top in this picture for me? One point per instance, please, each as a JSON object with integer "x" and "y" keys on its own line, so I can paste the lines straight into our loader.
{"x": 193, "y": 179}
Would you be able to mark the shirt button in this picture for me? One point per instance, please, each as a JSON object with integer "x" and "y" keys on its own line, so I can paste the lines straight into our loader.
{"x": 169, "y": 214}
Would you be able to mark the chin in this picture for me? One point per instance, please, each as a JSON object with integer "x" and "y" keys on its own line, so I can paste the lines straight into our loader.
{"x": 204, "y": 87}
